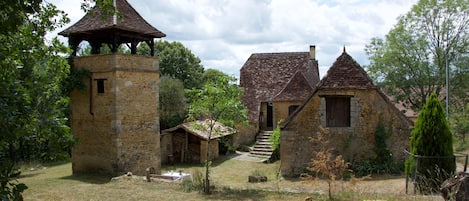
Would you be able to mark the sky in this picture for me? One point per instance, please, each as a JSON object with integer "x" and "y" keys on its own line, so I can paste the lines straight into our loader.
{"x": 224, "y": 33}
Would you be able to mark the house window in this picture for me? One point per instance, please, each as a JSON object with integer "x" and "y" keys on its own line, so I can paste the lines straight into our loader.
{"x": 100, "y": 85}
{"x": 338, "y": 111}
{"x": 292, "y": 109}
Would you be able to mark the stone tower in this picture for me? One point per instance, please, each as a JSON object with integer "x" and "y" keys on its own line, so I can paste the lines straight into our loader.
{"x": 116, "y": 118}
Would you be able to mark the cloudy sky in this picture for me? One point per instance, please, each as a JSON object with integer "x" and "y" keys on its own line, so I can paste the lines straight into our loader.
{"x": 224, "y": 33}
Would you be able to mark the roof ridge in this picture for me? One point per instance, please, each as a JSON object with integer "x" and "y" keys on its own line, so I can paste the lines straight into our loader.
{"x": 346, "y": 73}
{"x": 276, "y": 53}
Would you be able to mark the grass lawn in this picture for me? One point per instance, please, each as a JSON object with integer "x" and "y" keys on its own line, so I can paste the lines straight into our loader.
{"x": 228, "y": 175}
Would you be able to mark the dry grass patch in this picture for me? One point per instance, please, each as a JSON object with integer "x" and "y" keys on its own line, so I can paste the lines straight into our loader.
{"x": 229, "y": 176}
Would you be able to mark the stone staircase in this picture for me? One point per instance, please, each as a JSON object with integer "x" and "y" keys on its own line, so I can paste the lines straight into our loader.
{"x": 263, "y": 147}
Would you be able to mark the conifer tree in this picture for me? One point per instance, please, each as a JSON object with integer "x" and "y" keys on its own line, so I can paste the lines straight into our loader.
{"x": 431, "y": 139}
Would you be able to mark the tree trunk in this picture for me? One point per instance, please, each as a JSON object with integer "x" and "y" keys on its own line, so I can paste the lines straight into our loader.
{"x": 207, "y": 165}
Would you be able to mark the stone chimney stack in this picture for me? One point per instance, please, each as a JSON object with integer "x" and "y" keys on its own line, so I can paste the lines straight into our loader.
{"x": 312, "y": 52}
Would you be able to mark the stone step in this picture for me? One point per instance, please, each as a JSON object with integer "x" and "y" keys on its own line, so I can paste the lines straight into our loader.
{"x": 262, "y": 149}
{"x": 264, "y": 141}
{"x": 263, "y": 137}
{"x": 263, "y": 146}
{"x": 261, "y": 153}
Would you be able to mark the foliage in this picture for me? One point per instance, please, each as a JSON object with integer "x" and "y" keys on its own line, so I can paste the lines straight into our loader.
{"x": 107, "y": 6}
{"x": 410, "y": 62}
{"x": 105, "y": 49}
{"x": 10, "y": 189}
{"x": 33, "y": 125}
{"x": 324, "y": 163}
{"x": 372, "y": 167}
{"x": 275, "y": 137}
{"x": 196, "y": 184}
{"x": 178, "y": 62}
{"x": 214, "y": 76}
{"x": 216, "y": 102}
{"x": 381, "y": 148}
{"x": 172, "y": 102}
{"x": 383, "y": 162}
{"x": 431, "y": 137}
{"x": 460, "y": 123}
{"x": 32, "y": 120}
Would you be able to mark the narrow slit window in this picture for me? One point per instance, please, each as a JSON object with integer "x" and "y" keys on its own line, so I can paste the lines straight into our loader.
{"x": 100, "y": 85}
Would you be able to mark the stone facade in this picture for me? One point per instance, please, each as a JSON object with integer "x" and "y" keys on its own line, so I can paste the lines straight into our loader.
{"x": 116, "y": 119}
{"x": 366, "y": 107}
{"x": 356, "y": 143}
{"x": 283, "y": 109}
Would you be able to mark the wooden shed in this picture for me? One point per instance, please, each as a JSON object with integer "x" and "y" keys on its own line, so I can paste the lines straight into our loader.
{"x": 188, "y": 142}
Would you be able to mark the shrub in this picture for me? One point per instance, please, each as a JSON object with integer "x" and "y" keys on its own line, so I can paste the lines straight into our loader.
{"x": 432, "y": 139}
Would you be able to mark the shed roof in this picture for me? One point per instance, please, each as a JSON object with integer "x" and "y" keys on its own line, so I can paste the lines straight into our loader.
{"x": 265, "y": 75}
{"x": 199, "y": 129}
{"x": 128, "y": 24}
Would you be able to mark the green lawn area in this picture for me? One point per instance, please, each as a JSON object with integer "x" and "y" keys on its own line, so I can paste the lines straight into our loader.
{"x": 228, "y": 175}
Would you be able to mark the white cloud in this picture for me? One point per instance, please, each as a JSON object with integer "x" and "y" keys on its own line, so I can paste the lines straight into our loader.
{"x": 225, "y": 33}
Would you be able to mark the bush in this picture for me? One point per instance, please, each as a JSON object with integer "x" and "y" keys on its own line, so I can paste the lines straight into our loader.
{"x": 10, "y": 189}
{"x": 431, "y": 137}
{"x": 196, "y": 184}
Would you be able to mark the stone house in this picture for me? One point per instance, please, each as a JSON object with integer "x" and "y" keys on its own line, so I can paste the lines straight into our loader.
{"x": 348, "y": 107}
{"x": 188, "y": 142}
{"x": 115, "y": 118}
{"x": 275, "y": 84}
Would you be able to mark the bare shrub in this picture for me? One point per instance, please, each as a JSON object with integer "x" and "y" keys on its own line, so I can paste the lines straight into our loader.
{"x": 324, "y": 163}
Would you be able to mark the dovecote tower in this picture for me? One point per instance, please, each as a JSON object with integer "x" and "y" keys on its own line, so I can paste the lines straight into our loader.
{"x": 116, "y": 118}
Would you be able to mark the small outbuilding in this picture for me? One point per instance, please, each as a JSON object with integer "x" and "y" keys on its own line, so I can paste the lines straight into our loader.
{"x": 188, "y": 142}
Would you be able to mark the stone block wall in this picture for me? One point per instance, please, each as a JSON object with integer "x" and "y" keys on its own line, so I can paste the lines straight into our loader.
{"x": 117, "y": 130}
{"x": 281, "y": 111}
{"x": 246, "y": 134}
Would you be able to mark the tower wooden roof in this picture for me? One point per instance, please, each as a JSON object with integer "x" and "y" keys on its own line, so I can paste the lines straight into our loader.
{"x": 125, "y": 26}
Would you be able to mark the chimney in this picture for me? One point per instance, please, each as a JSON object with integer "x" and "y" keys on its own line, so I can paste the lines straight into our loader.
{"x": 312, "y": 52}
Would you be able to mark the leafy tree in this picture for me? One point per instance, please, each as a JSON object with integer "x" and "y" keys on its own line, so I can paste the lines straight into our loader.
{"x": 409, "y": 64}
{"x": 459, "y": 101}
{"x": 431, "y": 137}
{"x": 179, "y": 62}
{"x": 216, "y": 102}
{"x": 32, "y": 121}
{"x": 214, "y": 75}
{"x": 172, "y": 102}
{"x": 460, "y": 123}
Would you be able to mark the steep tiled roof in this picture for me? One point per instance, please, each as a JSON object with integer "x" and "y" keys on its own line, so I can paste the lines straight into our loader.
{"x": 264, "y": 75}
{"x": 128, "y": 23}
{"x": 297, "y": 88}
{"x": 346, "y": 73}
